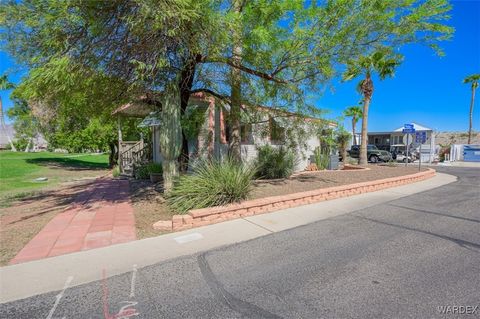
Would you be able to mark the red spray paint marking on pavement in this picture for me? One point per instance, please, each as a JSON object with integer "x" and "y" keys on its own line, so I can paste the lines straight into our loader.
{"x": 125, "y": 312}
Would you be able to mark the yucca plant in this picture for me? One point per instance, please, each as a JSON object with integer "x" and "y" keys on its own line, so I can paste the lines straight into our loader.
{"x": 212, "y": 183}
{"x": 275, "y": 162}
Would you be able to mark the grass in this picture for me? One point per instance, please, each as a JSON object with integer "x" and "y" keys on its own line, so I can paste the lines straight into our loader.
{"x": 18, "y": 170}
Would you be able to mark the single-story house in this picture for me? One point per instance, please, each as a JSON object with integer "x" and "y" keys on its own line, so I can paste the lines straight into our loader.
{"x": 384, "y": 140}
{"x": 265, "y": 126}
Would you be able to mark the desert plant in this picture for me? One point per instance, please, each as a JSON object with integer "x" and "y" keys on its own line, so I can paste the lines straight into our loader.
{"x": 275, "y": 162}
{"x": 321, "y": 157}
{"x": 391, "y": 163}
{"x": 351, "y": 161}
{"x": 212, "y": 183}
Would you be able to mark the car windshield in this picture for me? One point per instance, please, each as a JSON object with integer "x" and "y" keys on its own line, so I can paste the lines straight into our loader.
{"x": 372, "y": 147}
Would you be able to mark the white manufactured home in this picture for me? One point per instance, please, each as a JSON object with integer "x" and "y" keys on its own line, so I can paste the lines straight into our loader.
{"x": 266, "y": 126}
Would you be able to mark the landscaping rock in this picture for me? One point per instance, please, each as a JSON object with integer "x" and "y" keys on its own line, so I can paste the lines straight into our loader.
{"x": 41, "y": 179}
{"x": 163, "y": 225}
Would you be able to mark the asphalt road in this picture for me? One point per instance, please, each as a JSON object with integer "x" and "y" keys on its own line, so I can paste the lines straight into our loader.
{"x": 408, "y": 258}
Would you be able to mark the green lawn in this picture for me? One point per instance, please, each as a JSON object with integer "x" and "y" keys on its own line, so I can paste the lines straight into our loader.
{"x": 19, "y": 170}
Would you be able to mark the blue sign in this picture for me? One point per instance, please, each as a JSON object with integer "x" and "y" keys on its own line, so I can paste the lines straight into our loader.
{"x": 408, "y": 126}
{"x": 408, "y": 130}
{"x": 421, "y": 137}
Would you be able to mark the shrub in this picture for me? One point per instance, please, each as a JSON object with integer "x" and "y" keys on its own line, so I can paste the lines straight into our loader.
{"x": 116, "y": 171}
{"x": 321, "y": 158}
{"x": 154, "y": 168}
{"x": 352, "y": 161}
{"x": 391, "y": 163}
{"x": 212, "y": 183}
{"x": 275, "y": 162}
{"x": 143, "y": 171}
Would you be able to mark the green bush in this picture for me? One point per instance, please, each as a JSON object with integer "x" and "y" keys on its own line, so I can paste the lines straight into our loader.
{"x": 275, "y": 162}
{"x": 321, "y": 158}
{"x": 212, "y": 183}
{"x": 143, "y": 171}
{"x": 154, "y": 168}
{"x": 116, "y": 171}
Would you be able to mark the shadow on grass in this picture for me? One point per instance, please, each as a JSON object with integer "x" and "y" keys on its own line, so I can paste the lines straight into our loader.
{"x": 85, "y": 196}
{"x": 68, "y": 163}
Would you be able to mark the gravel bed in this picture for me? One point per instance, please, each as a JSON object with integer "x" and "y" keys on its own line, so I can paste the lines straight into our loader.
{"x": 323, "y": 179}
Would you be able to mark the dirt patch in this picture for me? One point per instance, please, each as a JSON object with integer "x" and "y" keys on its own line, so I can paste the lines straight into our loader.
{"x": 148, "y": 206}
{"x": 25, "y": 217}
{"x": 323, "y": 179}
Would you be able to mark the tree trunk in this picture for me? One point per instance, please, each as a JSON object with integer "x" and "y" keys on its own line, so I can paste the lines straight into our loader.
{"x": 236, "y": 86}
{"x": 471, "y": 115}
{"x": 113, "y": 157}
{"x": 185, "y": 84}
{"x": 170, "y": 135}
{"x": 363, "y": 160}
{"x": 4, "y": 127}
{"x": 344, "y": 154}
{"x": 28, "y": 145}
{"x": 354, "y": 122}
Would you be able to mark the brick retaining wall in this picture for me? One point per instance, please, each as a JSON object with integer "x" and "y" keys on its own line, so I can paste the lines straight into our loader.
{"x": 212, "y": 215}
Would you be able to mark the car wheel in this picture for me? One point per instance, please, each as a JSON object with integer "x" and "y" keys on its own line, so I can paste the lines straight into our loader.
{"x": 404, "y": 160}
{"x": 374, "y": 159}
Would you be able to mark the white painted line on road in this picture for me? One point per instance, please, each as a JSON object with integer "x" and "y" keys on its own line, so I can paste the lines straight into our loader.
{"x": 132, "y": 284}
{"x": 59, "y": 296}
{"x": 188, "y": 238}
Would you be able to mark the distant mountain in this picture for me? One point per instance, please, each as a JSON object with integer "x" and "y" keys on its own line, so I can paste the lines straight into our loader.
{"x": 446, "y": 138}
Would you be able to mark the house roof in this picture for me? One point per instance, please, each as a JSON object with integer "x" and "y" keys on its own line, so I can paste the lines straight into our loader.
{"x": 145, "y": 105}
{"x": 141, "y": 107}
{"x": 416, "y": 126}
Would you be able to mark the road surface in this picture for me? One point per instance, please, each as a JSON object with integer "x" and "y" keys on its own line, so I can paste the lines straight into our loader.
{"x": 414, "y": 257}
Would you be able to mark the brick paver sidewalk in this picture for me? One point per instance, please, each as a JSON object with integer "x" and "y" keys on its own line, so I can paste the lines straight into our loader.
{"x": 101, "y": 215}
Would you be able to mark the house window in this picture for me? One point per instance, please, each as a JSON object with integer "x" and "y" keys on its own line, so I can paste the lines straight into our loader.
{"x": 277, "y": 133}
{"x": 246, "y": 133}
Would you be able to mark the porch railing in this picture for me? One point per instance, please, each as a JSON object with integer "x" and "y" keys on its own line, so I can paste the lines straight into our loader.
{"x": 133, "y": 153}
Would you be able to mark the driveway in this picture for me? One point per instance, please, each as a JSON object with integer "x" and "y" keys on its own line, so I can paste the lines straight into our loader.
{"x": 413, "y": 257}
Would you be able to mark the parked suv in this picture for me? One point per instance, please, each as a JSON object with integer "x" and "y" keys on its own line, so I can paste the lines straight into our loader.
{"x": 374, "y": 155}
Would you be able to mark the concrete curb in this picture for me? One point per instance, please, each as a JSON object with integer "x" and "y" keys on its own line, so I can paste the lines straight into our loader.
{"x": 213, "y": 215}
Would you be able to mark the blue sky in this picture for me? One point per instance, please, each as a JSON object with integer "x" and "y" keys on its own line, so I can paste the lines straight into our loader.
{"x": 426, "y": 89}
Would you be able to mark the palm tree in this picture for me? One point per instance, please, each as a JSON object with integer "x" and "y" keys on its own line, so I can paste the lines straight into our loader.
{"x": 384, "y": 64}
{"x": 5, "y": 85}
{"x": 343, "y": 137}
{"x": 474, "y": 78}
{"x": 355, "y": 112}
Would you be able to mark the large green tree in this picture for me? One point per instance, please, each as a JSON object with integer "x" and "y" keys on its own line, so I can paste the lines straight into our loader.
{"x": 383, "y": 64}
{"x": 283, "y": 48}
{"x": 473, "y": 81}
